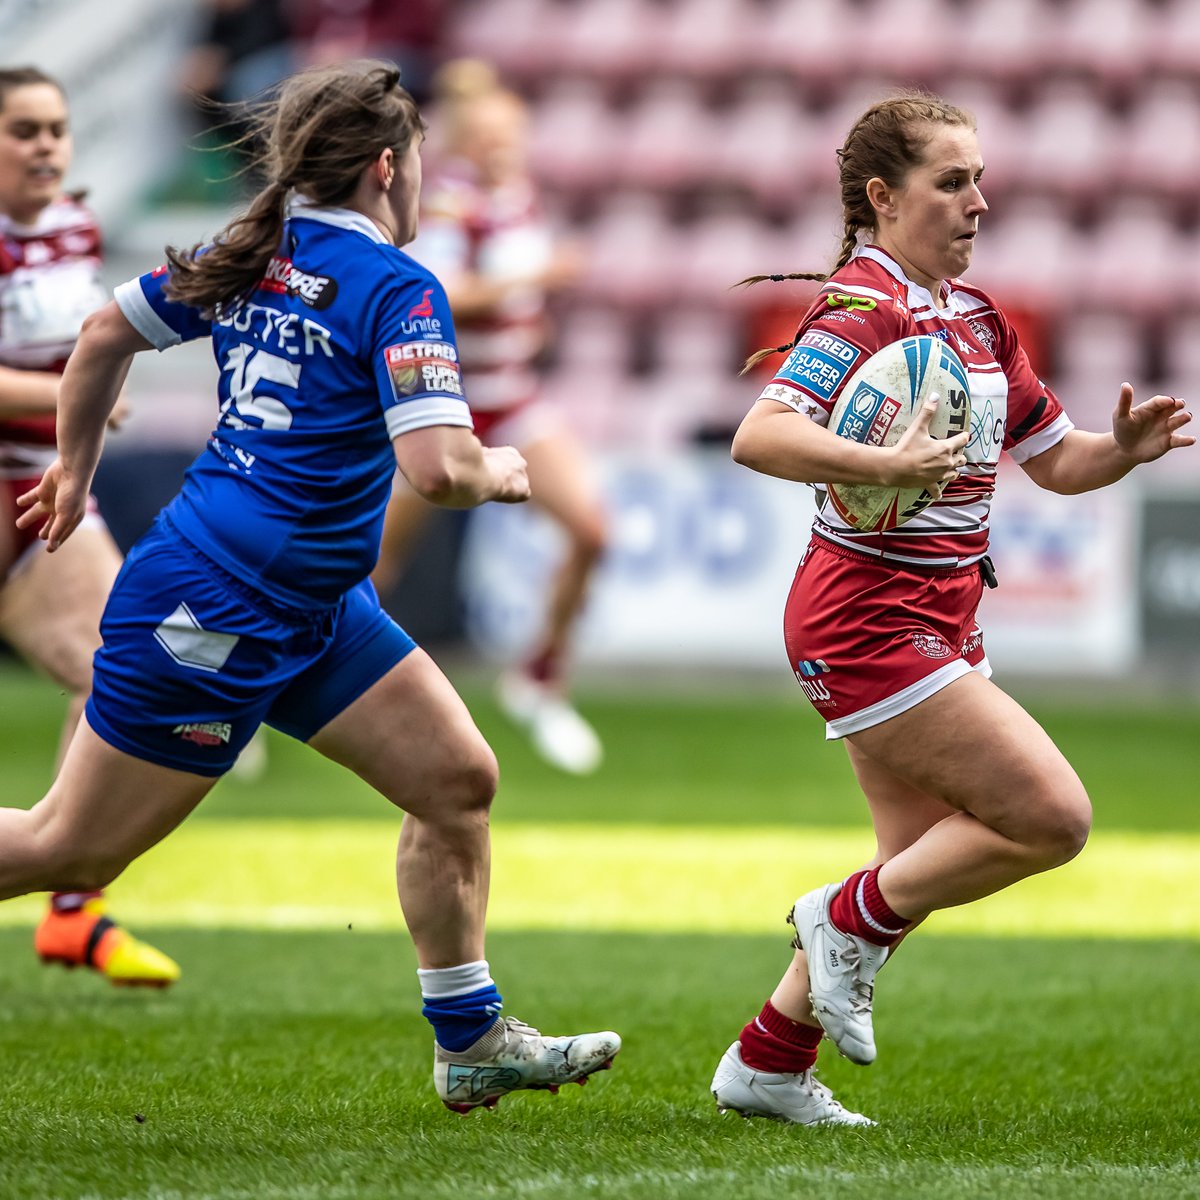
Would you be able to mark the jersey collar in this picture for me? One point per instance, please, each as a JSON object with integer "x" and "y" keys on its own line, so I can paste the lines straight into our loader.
{"x": 893, "y": 268}
{"x": 343, "y": 218}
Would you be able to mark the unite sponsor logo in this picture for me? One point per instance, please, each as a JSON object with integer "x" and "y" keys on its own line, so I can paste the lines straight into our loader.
{"x": 421, "y": 320}
{"x": 284, "y": 278}
{"x": 205, "y": 733}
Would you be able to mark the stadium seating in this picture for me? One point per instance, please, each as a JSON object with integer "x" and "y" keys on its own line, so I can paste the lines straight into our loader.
{"x": 691, "y": 142}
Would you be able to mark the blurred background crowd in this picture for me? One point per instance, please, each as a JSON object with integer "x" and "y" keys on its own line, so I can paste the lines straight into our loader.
{"x": 681, "y": 145}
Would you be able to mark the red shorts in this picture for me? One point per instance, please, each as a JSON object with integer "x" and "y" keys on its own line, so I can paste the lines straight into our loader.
{"x": 868, "y": 640}
{"x": 19, "y": 542}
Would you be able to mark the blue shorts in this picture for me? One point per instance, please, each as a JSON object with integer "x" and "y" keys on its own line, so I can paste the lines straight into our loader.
{"x": 194, "y": 660}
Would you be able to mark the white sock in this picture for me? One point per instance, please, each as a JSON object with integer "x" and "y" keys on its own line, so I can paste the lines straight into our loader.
{"x": 455, "y": 981}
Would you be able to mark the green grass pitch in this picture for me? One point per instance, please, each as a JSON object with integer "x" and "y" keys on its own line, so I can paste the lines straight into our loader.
{"x": 1025, "y": 1051}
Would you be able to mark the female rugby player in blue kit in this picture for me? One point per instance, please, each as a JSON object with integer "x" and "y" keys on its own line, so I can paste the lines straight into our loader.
{"x": 248, "y": 601}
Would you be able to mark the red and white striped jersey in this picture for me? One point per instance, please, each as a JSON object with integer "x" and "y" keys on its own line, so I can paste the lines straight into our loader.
{"x": 500, "y": 235}
{"x": 49, "y": 281}
{"x": 865, "y": 306}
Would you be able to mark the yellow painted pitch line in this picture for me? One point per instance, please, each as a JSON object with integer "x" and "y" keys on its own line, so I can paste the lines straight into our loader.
{"x": 646, "y": 879}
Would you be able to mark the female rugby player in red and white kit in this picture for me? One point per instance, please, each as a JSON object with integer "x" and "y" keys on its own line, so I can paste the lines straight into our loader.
{"x": 484, "y": 235}
{"x": 50, "y": 605}
{"x": 967, "y": 793}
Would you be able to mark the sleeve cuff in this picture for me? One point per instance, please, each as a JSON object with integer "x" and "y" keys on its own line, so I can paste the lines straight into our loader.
{"x": 133, "y": 303}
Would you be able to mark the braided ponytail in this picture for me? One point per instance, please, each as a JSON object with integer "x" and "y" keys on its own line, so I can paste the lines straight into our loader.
{"x": 887, "y": 142}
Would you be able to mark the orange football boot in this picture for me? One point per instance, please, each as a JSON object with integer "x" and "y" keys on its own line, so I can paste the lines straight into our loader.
{"x": 86, "y": 937}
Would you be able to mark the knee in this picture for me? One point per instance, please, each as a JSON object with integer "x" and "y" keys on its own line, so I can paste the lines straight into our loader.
{"x": 1064, "y": 825}
{"x": 467, "y": 787}
{"x": 589, "y": 539}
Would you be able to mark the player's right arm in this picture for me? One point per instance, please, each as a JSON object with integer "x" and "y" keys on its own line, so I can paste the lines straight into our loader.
{"x": 776, "y": 440}
{"x": 88, "y": 392}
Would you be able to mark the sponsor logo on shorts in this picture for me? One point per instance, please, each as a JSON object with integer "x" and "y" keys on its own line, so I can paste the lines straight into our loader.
{"x": 808, "y": 672}
{"x": 819, "y": 363}
{"x": 931, "y": 645}
{"x": 205, "y": 733}
{"x": 973, "y": 642}
{"x": 844, "y": 300}
{"x": 286, "y": 279}
{"x": 418, "y": 367}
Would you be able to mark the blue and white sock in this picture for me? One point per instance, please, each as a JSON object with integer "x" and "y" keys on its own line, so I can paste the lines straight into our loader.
{"x": 461, "y": 1003}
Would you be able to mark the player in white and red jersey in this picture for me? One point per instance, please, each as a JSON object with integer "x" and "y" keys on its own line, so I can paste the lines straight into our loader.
{"x": 484, "y": 235}
{"x": 966, "y": 791}
{"x": 50, "y": 605}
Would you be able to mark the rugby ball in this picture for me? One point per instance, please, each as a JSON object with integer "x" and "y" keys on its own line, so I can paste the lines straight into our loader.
{"x": 878, "y": 404}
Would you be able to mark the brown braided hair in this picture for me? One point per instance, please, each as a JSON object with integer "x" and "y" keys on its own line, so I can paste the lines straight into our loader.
{"x": 315, "y": 135}
{"x": 887, "y": 141}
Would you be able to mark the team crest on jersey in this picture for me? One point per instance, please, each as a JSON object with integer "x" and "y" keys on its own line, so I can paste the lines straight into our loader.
{"x": 286, "y": 279}
{"x": 423, "y": 367}
{"x": 931, "y": 646}
{"x": 986, "y": 335}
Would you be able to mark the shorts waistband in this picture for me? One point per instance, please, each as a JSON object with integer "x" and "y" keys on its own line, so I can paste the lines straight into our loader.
{"x": 298, "y": 618}
{"x": 829, "y": 547}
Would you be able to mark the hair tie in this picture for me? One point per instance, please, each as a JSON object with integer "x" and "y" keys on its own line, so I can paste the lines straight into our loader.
{"x": 785, "y": 349}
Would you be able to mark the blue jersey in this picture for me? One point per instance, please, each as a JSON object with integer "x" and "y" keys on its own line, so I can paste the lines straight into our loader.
{"x": 345, "y": 344}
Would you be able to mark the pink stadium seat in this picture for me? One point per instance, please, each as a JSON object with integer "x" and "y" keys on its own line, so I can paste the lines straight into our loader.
{"x": 1069, "y": 147}
{"x": 1106, "y": 39}
{"x": 614, "y": 40}
{"x": 911, "y": 42}
{"x": 498, "y": 31}
{"x": 593, "y": 338}
{"x": 1135, "y": 265}
{"x": 669, "y": 139}
{"x": 706, "y": 38}
{"x": 635, "y": 256}
{"x": 812, "y": 40}
{"x": 724, "y": 247}
{"x": 1097, "y": 352}
{"x": 1007, "y": 40}
{"x": 1175, "y": 43}
{"x": 575, "y": 139}
{"x": 697, "y": 340}
{"x": 765, "y": 142}
{"x": 1161, "y": 140}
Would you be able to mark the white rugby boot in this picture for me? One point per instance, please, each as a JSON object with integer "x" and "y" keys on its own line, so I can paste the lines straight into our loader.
{"x": 841, "y": 974}
{"x": 513, "y": 1056}
{"x": 559, "y": 734}
{"x": 801, "y": 1099}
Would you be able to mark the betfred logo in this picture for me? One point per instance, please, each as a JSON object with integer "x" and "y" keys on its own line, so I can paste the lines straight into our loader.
{"x": 419, "y": 367}
{"x": 284, "y": 278}
{"x": 205, "y": 733}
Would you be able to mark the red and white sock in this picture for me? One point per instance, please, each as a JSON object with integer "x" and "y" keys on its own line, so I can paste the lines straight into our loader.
{"x": 860, "y": 909}
{"x": 778, "y": 1045}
